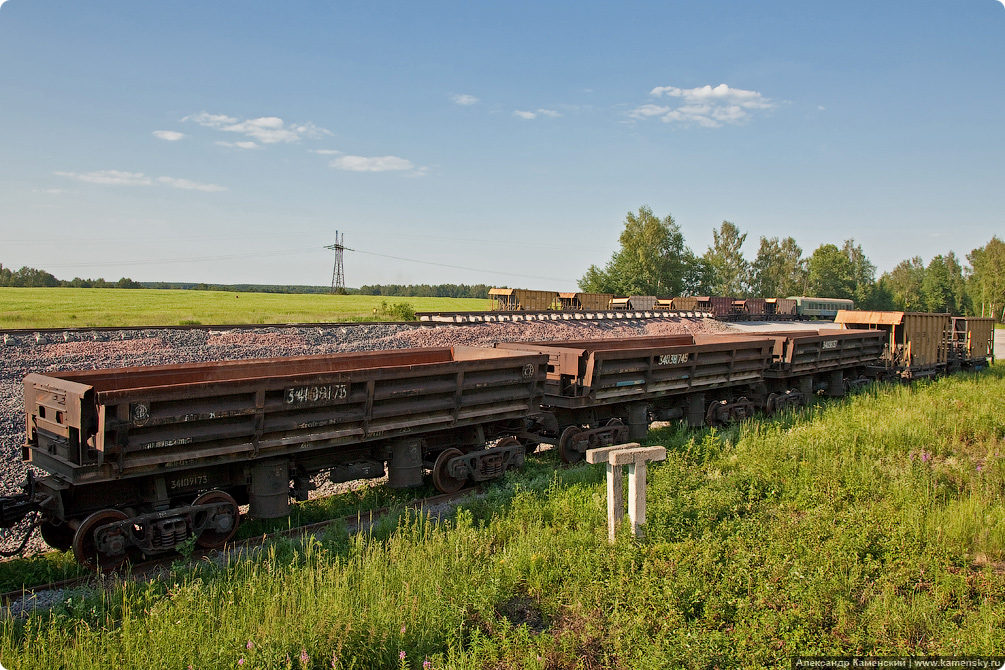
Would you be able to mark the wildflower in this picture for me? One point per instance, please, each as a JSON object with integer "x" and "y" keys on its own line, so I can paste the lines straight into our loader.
{"x": 402, "y": 630}
{"x": 250, "y": 645}
{"x": 426, "y": 664}
{"x": 240, "y": 661}
{"x": 978, "y": 468}
{"x": 401, "y": 655}
{"x": 304, "y": 658}
{"x": 334, "y": 661}
{"x": 924, "y": 456}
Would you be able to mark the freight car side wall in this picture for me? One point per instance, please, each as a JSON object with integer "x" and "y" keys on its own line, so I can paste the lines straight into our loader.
{"x": 826, "y": 350}
{"x": 167, "y": 429}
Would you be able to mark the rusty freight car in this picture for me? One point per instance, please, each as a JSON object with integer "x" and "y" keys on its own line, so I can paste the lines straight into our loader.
{"x": 520, "y": 299}
{"x": 971, "y": 342}
{"x": 780, "y": 309}
{"x": 141, "y": 459}
{"x": 917, "y": 344}
{"x": 591, "y": 302}
{"x": 829, "y": 360}
{"x": 718, "y": 306}
{"x": 600, "y": 392}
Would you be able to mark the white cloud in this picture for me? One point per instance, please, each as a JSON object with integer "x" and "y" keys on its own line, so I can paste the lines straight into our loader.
{"x": 169, "y": 135}
{"x": 648, "y": 110}
{"x": 265, "y": 129}
{"x": 240, "y": 145}
{"x": 175, "y": 182}
{"x": 371, "y": 163}
{"x": 704, "y": 106}
{"x": 120, "y": 178}
{"x": 550, "y": 113}
{"x": 116, "y": 177}
{"x": 210, "y": 120}
{"x": 325, "y": 152}
{"x": 464, "y": 99}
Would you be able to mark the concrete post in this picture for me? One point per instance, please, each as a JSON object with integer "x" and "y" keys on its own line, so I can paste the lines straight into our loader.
{"x": 616, "y": 458}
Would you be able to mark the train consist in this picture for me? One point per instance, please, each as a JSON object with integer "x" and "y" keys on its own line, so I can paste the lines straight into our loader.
{"x": 719, "y": 307}
{"x": 141, "y": 460}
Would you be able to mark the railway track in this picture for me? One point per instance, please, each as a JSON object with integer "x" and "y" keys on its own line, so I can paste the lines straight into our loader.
{"x": 150, "y": 569}
{"x": 29, "y": 332}
{"x": 425, "y": 320}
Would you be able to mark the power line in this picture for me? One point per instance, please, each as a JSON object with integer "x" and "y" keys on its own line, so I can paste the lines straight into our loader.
{"x": 455, "y": 267}
{"x": 293, "y": 252}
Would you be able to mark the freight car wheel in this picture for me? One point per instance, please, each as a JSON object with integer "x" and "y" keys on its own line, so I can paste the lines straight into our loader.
{"x": 442, "y": 479}
{"x": 107, "y": 556}
{"x": 565, "y": 450}
{"x": 222, "y": 523}
{"x": 57, "y": 536}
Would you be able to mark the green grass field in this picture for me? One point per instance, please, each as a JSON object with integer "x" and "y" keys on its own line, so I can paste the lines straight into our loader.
{"x": 873, "y": 525}
{"x": 82, "y": 308}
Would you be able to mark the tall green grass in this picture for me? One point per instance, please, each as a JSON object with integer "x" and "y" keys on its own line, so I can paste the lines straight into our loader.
{"x": 82, "y": 308}
{"x": 871, "y": 525}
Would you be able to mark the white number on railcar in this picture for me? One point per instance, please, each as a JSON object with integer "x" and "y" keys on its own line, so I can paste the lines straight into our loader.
{"x": 671, "y": 359}
{"x": 307, "y": 395}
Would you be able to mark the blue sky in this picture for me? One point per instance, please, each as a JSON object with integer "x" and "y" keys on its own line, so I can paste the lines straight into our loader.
{"x": 497, "y": 143}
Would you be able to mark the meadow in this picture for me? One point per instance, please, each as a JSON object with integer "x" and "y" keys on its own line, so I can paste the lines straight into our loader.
{"x": 88, "y": 308}
{"x": 872, "y": 525}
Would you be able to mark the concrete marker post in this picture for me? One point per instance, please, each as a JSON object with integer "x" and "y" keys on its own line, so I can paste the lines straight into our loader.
{"x": 616, "y": 458}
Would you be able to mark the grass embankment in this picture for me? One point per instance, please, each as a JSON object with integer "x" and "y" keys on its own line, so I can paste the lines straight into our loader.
{"x": 873, "y": 525}
{"x": 89, "y": 308}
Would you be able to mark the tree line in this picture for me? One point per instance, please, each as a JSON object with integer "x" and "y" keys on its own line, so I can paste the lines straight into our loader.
{"x": 427, "y": 290}
{"x": 653, "y": 259}
{"x": 32, "y": 277}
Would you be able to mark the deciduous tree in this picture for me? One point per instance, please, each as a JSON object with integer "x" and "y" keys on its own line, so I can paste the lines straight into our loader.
{"x": 652, "y": 260}
{"x": 779, "y": 270}
{"x": 731, "y": 270}
{"x": 987, "y": 278}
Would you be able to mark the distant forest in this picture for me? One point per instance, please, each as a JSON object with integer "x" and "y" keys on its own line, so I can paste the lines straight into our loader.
{"x": 32, "y": 277}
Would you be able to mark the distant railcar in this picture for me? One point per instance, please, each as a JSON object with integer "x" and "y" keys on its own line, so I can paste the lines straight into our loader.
{"x": 684, "y": 303}
{"x": 780, "y": 309}
{"x": 821, "y": 308}
{"x": 519, "y": 299}
{"x": 718, "y": 306}
{"x": 634, "y": 303}
{"x": 748, "y": 309}
{"x": 591, "y": 302}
